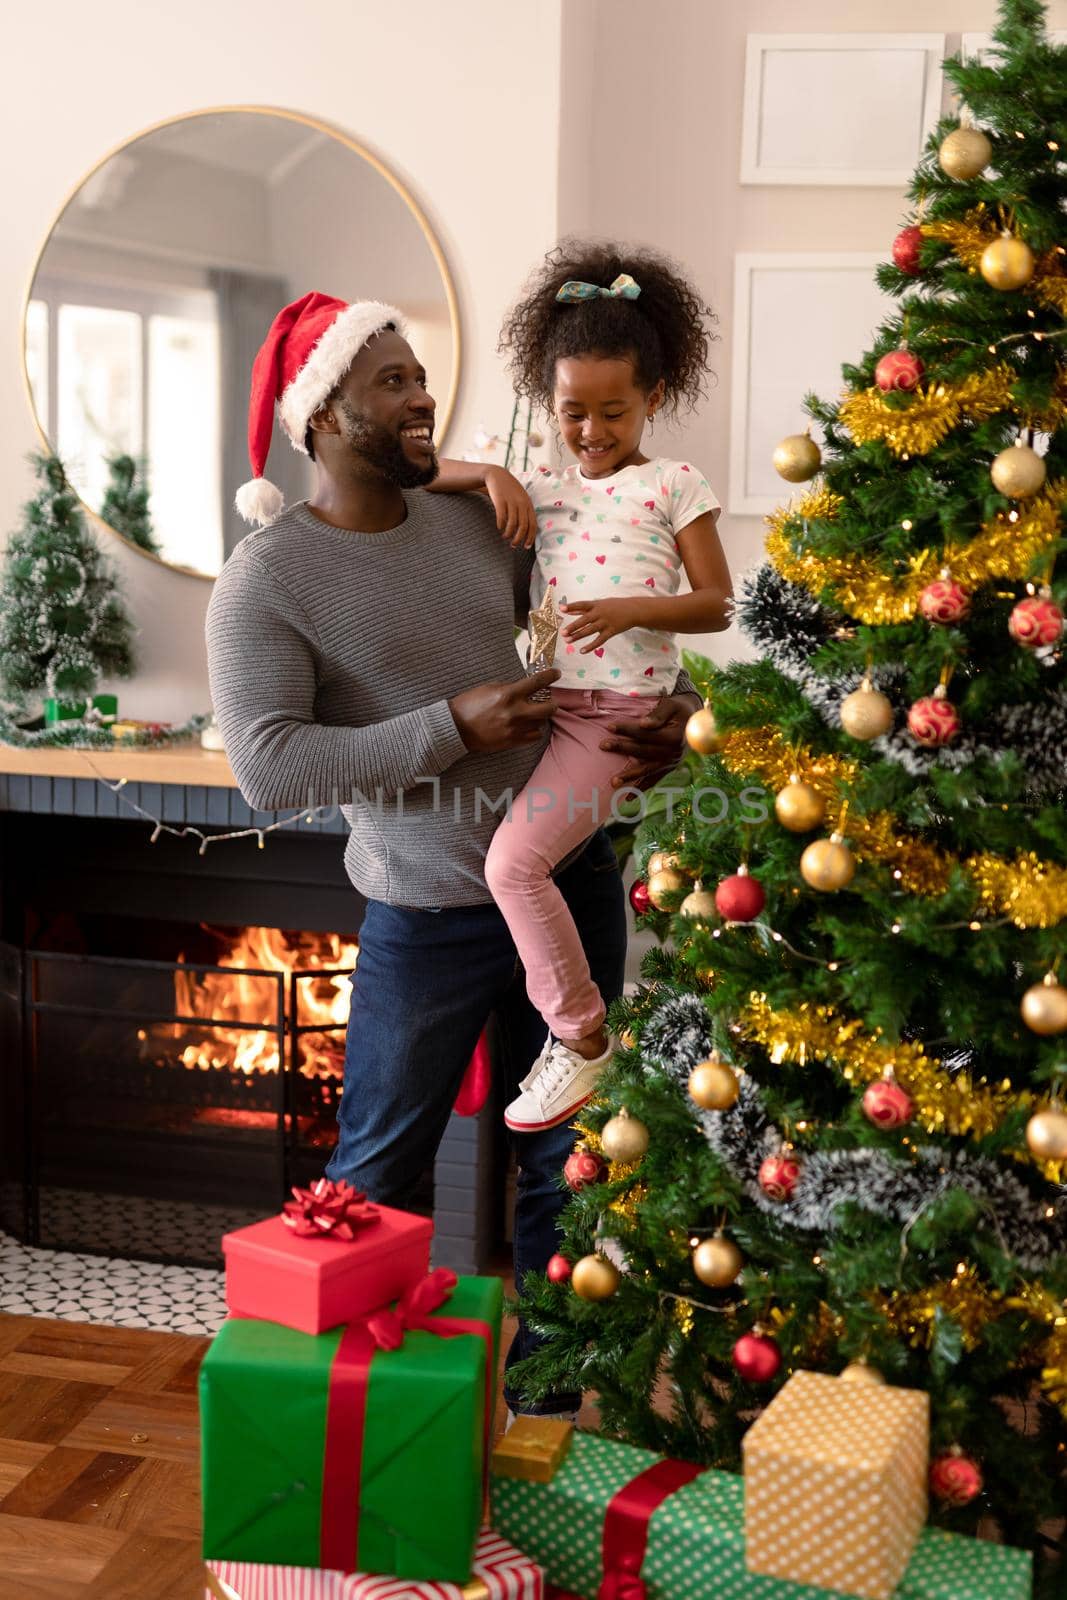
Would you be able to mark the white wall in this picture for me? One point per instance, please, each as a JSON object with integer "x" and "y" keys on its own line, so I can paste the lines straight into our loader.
{"x": 650, "y": 152}
{"x": 461, "y": 100}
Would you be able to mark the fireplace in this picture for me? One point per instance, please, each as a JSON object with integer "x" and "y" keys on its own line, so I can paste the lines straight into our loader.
{"x": 172, "y": 1029}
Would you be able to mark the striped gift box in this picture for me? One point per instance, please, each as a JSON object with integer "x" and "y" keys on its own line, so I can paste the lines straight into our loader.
{"x": 500, "y": 1573}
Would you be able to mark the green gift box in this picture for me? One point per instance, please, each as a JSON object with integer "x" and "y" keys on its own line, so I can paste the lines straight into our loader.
{"x": 696, "y": 1537}
{"x": 315, "y": 1444}
{"x": 69, "y": 710}
{"x": 947, "y": 1566}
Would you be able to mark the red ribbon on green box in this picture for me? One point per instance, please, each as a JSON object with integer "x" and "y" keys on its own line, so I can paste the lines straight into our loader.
{"x": 346, "y": 1416}
{"x": 626, "y": 1528}
{"x": 360, "y": 1449}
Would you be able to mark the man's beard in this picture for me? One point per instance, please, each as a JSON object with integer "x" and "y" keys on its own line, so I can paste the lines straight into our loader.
{"x": 383, "y": 450}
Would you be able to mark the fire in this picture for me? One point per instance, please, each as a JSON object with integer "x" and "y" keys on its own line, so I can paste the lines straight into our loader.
{"x": 241, "y": 1034}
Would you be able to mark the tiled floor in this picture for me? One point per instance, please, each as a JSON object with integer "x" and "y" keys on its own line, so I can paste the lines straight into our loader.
{"x": 105, "y": 1289}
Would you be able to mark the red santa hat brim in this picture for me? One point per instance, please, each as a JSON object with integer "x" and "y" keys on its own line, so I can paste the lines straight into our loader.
{"x": 329, "y": 360}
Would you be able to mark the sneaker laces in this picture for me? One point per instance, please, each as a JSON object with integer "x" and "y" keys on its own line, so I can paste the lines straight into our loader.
{"x": 560, "y": 1065}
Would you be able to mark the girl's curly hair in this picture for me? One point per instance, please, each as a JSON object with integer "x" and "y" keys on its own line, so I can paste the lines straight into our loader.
{"x": 665, "y": 332}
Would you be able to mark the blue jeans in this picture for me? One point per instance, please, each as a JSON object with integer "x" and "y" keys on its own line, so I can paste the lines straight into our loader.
{"x": 425, "y": 984}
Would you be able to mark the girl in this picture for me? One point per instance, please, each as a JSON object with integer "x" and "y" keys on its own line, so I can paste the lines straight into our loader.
{"x": 605, "y": 339}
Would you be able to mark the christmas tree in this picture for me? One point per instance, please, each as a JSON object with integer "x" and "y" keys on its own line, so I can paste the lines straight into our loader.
{"x": 63, "y": 625}
{"x": 125, "y": 504}
{"x": 834, "y": 1135}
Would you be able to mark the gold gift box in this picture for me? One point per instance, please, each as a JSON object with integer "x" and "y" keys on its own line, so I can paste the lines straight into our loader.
{"x": 533, "y": 1449}
{"x": 835, "y": 1484}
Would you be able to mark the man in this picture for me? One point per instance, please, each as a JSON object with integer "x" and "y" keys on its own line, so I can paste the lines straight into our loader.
{"x": 360, "y": 649}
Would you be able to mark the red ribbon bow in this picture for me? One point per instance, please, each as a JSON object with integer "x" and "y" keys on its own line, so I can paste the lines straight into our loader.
{"x": 624, "y": 1582}
{"x": 387, "y": 1328}
{"x": 328, "y": 1210}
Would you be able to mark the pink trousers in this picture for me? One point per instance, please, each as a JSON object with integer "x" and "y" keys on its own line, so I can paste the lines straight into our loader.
{"x": 567, "y": 798}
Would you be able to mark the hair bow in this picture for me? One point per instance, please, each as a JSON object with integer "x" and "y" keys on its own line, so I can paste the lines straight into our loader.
{"x": 624, "y": 288}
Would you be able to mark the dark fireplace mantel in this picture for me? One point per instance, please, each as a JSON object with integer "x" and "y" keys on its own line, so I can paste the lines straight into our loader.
{"x": 74, "y": 856}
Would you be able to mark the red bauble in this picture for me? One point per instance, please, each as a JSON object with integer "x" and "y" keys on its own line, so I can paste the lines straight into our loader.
{"x": 582, "y": 1168}
{"x": 887, "y": 1105}
{"x": 1036, "y": 621}
{"x": 944, "y": 601}
{"x": 906, "y": 250}
{"x": 955, "y": 1479}
{"x": 933, "y": 721}
{"x": 778, "y": 1176}
{"x": 898, "y": 369}
{"x": 639, "y": 897}
{"x": 558, "y": 1269}
{"x": 756, "y": 1357}
{"x": 740, "y": 898}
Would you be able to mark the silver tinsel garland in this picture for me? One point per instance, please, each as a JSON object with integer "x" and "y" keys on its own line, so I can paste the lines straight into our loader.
{"x": 788, "y": 624}
{"x": 680, "y": 1034}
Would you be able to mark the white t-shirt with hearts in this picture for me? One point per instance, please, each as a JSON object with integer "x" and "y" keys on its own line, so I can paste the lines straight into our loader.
{"x": 615, "y": 536}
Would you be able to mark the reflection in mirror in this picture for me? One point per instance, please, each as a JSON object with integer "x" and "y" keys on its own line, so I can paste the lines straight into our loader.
{"x": 155, "y": 289}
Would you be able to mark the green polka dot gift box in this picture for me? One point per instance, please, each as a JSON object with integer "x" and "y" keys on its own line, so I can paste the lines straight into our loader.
{"x": 605, "y": 1519}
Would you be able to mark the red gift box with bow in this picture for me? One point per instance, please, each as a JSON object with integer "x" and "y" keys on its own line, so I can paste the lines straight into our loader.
{"x": 330, "y": 1257}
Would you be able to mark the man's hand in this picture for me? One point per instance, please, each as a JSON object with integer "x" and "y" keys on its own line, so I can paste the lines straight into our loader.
{"x": 602, "y": 619}
{"x": 498, "y": 716}
{"x": 515, "y": 514}
{"x": 654, "y": 743}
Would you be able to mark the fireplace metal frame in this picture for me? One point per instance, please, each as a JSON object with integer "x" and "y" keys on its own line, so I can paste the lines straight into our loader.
{"x": 286, "y": 1028}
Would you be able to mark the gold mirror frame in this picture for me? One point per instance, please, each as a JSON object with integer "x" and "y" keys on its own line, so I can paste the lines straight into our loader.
{"x": 306, "y": 121}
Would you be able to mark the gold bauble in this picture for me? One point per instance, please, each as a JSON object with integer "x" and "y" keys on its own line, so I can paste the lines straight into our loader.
{"x": 1046, "y": 1135}
{"x": 861, "y": 1372}
{"x": 717, "y": 1261}
{"x": 663, "y": 884}
{"x": 866, "y": 713}
{"x": 799, "y": 807}
{"x": 713, "y": 1085}
{"x": 700, "y": 905}
{"x": 1007, "y": 263}
{"x": 702, "y": 733}
{"x": 1018, "y": 471}
{"x": 594, "y": 1278}
{"x": 661, "y": 861}
{"x": 624, "y": 1138}
{"x": 1044, "y": 1006}
{"x": 628, "y": 1039}
{"x": 964, "y": 152}
{"x": 827, "y": 864}
{"x": 797, "y": 458}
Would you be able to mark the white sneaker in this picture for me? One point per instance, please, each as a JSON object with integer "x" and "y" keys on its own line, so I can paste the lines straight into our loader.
{"x": 555, "y": 1089}
{"x": 539, "y": 1065}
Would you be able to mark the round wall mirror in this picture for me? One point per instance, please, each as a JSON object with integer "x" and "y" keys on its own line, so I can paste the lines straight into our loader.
{"x": 157, "y": 284}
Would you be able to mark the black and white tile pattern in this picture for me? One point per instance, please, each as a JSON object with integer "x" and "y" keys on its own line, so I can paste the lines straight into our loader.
{"x": 107, "y": 1289}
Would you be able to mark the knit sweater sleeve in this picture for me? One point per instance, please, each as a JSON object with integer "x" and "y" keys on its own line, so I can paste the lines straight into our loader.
{"x": 262, "y": 659}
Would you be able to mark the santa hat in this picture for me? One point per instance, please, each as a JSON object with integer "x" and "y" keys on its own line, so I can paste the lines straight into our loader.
{"x": 310, "y": 346}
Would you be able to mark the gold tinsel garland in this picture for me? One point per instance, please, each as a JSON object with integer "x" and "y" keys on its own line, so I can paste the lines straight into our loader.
{"x": 934, "y": 410}
{"x": 955, "y": 1103}
{"x": 968, "y": 238}
{"x": 1002, "y": 549}
{"x": 1029, "y": 891}
{"x": 923, "y": 870}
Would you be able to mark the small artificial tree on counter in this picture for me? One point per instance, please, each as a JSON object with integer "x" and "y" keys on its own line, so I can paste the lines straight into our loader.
{"x": 63, "y": 624}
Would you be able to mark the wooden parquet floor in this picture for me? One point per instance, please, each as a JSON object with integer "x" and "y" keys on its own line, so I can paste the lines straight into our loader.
{"x": 100, "y": 1462}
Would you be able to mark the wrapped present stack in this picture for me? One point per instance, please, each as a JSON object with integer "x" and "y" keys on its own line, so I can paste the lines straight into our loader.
{"x": 606, "y": 1519}
{"x": 345, "y": 1409}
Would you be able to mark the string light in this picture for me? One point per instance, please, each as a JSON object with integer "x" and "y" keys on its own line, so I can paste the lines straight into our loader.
{"x": 187, "y": 831}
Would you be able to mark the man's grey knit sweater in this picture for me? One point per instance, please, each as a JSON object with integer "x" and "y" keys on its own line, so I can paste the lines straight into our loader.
{"x": 332, "y": 656}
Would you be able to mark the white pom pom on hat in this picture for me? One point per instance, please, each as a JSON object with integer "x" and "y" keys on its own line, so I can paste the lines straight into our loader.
{"x": 310, "y": 346}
